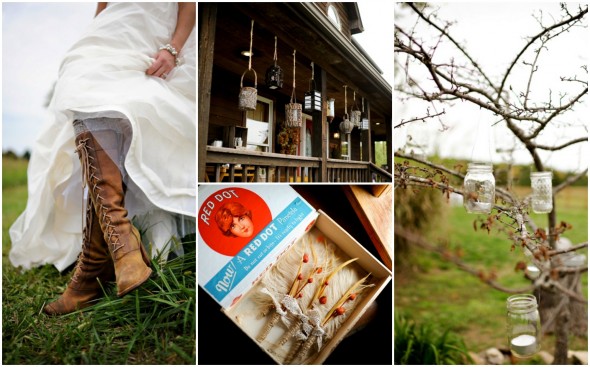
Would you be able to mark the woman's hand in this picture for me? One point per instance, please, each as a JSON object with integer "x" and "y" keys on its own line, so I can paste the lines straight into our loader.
{"x": 163, "y": 64}
{"x": 165, "y": 61}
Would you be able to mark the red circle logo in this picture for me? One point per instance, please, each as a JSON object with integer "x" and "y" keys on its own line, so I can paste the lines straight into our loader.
{"x": 234, "y": 216}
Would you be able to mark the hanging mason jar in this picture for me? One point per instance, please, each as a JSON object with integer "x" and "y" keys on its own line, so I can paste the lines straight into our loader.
{"x": 542, "y": 201}
{"x": 365, "y": 117}
{"x": 293, "y": 113}
{"x": 355, "y": 113}
{"x": 523, "y": 325}
{"x": 479, "y": 188}
{"x": 330, "y": 113}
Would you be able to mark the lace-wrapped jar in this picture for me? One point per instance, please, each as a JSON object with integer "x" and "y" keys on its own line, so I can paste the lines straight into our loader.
{"x": 479, "y": 188}
{"x": 524, "y": 325}
{"x": 542, "y": 200}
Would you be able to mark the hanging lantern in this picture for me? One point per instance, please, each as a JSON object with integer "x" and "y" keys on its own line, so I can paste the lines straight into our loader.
{"x": 365, "y": 118}
{"x": 524, "y": 325}
{"x": 355, "y": 113}
{"x": 274, "y": 74}
{"x": 293, "y": 113}
{"x": 248, "y": 95}
{"x": 330, "y": 113}
{"x": 542, "y": 192}
{"x": 313, "y": 98}
{"x": 346, "y": 125}
{"x": 479, "y": 188}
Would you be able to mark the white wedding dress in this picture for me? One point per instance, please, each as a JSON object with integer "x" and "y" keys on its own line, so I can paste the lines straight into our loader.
{"x": 103, "y": 75}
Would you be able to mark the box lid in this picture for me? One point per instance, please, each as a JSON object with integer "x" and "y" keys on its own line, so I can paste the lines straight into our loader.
{"x": 242, "y": 229}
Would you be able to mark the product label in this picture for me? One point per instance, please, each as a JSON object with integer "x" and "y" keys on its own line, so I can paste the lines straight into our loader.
{"x": 257, "y": 249}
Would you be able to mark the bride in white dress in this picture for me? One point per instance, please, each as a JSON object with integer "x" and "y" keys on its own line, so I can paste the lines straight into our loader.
{"x": 118, "y": 157}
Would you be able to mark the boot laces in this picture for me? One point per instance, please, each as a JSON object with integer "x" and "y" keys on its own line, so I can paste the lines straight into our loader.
{"x": 89, "y": 176}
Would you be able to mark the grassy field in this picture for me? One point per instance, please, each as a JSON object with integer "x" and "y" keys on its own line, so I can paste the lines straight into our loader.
{"x": 430, "y": 290}
{"x": 152, "y": 325}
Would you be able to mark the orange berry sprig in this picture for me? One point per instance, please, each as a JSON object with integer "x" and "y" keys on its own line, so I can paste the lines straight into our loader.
{"x": 297, "y": 285}
{"x": 309, "y": 280}
{"x": 319, "y": 294}
{"x": 350, "y": 295}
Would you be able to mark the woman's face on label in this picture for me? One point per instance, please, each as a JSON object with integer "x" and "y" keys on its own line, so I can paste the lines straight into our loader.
{"x": 242, "y": 226}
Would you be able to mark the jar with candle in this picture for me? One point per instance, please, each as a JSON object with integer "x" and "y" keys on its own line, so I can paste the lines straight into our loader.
{"x": 524, "y": 325}
{"x": 479, "y": 188}
{"x": 542, "y": 200}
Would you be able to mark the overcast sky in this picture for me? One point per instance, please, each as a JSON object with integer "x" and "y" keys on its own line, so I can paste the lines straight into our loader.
{"x": 494, "y": 34}
{"x": 377, "y": 18}
{"x": 35, "y": 36}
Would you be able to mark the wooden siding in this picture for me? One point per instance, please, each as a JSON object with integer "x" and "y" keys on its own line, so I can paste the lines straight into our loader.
{"x": 342, "y": 14}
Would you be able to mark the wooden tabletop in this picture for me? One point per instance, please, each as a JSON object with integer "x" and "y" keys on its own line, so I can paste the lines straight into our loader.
{"x": 373, "y": 205}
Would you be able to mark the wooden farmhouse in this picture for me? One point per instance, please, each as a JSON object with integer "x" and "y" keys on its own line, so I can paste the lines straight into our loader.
{"x": 307, "y": 105}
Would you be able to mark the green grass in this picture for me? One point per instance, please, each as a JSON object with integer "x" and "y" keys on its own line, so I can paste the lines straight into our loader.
{"x": 425, "y": 345}
{"x": 434, "y": 291}
{"x": 152, "y": 325}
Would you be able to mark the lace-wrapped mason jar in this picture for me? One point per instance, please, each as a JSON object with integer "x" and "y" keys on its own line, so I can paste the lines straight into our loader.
{"x": 524, "y": 325}
{"x": 542, "y": 200}
{"x": 479, "y": 188}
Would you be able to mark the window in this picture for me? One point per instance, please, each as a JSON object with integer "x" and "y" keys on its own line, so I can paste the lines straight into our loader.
{"x": 333, "y": 15}
{"x": 259, "y": 123}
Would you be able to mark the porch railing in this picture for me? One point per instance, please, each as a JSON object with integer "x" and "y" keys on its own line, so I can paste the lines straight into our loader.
{"x": 237, "y": 165}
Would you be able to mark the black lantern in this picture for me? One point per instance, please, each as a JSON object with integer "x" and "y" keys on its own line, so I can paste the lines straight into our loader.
{"x": 274, "y": 74}
{"x": 313, "y": 98}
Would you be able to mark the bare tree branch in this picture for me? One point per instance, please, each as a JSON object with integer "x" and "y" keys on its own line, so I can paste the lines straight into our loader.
{"x": 423, "y": 119}
{"x": 486, "y": 278}
{"x": 570, "y": 180}
{"x": 571, "y": 249}
{"x": 570, "y": 20}
{"x": 559, "y": 147}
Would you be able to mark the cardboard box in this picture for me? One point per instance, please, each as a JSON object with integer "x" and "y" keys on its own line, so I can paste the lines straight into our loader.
{"x": 291, "y": 218}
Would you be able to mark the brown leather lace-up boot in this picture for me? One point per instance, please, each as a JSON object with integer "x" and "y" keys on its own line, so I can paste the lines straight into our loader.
{"x": 106, "y": 188}
{"x": 94, "y": 265}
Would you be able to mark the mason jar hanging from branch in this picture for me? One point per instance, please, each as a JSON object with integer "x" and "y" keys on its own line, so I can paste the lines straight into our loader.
{"x": 523, "y": 325}
{"x": 479, "y": 188}
{"x": 346, "y": 125}
{"x": 355, "y": 113}
{"x": 274, "y": 74}
{"x": 313, "y": 97}
{"x": 542, "y": 198}
{"x": 248, "y": 95}
{"x": 293, "y": 113}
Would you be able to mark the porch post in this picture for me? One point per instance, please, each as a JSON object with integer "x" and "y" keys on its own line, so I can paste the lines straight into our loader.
{"x": 208, "y": 19}
{"x": 320, "y": 127}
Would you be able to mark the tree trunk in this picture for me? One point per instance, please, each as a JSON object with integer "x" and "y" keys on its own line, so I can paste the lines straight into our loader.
{"x": 561, "y": 340}
{"x": 549, "y": 302}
